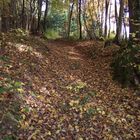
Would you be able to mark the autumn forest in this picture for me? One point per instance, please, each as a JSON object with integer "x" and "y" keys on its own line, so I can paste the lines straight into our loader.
{"x": 69, "y": 69}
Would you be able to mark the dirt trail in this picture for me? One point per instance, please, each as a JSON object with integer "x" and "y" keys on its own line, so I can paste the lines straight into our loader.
{"x": 68, "y": 92}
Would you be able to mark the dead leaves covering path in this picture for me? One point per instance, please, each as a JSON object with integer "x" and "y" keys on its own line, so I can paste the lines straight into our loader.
{"x": 63, "y": 90}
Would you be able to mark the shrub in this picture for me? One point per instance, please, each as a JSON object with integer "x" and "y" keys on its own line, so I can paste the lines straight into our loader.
{"x": 126, "y": 65}
{"x": 51, "y": 34}
{"x": 19, "y": 32}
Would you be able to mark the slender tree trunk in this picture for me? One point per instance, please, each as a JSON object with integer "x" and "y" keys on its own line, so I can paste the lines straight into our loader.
{"x": 23, "y": 23}
{"x": 125, "y": 30}
{"x": 116, "y": 14}
{"x": 134, "y": 21}
{"x": 120, "y": 21}
{"x": 4, "y": 17}
{"x": 39, "y": 15}
{"x": 12, "y": 16}
{"x": 102, "y": 19}
{"x": 85, "y": 21}
{"x": 0, "y": 20}
{"x": 106, "y": 17}
{"x": 69, "y": 18}
{"x": 32, "y": 17}
{"x": 100, "y": 12}
{"x": 109, "y": 21}
{"x": 131, "y": 16}
{"x": 80, "y": 22}
{"x": 45, "y": 15}
{"x": 86, "y": 26}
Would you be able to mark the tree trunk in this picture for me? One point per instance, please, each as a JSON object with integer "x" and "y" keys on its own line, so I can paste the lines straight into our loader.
{"x": 5, "y": 17}
{"x": 45, "y": 16}
{"x": 106, "y": 17}
{"x": 86, "y": 26}
{"x": 0, "y": 20}
{"x": 80, "y": 22}
{"x": 119, "y": 24}
{"x": 69, "y": 18}
{"x": 23, "y": 23}
{"x": 32, "y": 17}
{"x": 39, "y": 15}
{"x": 134, "y": 19}
{"x": 102, "y": 20}
{"x": 109, "y": 21}
{"x": 125, "y": 29}
{"x": 13, "y": 14}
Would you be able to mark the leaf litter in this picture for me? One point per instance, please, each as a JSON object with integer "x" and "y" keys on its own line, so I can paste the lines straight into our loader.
{"x": 63, "y": 90}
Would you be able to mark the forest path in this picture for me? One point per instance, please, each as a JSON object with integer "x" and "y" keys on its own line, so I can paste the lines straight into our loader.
{"x": 68, "y": 92}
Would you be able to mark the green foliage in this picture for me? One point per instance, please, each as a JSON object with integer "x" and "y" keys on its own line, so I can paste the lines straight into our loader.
{"x": 84, "y": 100}
{"x": 91, "y": 111}
{"x": 126, "y": 65}
{"x": 77, "y": 87}
{"x": 9, "y": 137}
{"x": 112, "y": 35}
{"x": 101, "y": 38}
{"x": 20, "y": 32}
{"x": 4, "y": 58}
{"x": 51, "y": 34}
{"x": 58, "y": 5}
{"x": 92, "y": 93}
{"x": 2, "y": 90}
{"x": 56, "y": 20}
{"x": 75, "y": 65}
{"x": 4, "y": 3}
{"x": 87, "y": 97}
{"x": 56, "y": 25}
{"x": 26, "y": 109}
{"x": 10, "y": 86}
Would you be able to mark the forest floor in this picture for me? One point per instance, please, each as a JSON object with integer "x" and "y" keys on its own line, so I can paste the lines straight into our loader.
{"x": 63, "y": 90}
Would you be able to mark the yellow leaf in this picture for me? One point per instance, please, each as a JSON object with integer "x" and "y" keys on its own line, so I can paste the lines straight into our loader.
{"x": 41, "y": 97}
{"x": 49, "y": 133}
{"x": 24, "y": 125}
{"x": 72, "y": 102}
{"x": 103, "y": 112}
{"x": 58, "y": 131}
{"x": 20, "y": 90}
{"x": 40, "y": 121}
{"x": 77, "y": 128}
{"x": 35, "y": 116}
{"x": 23, "y": 117}
{"x": 80, "y": 138}
{"x": 33, "y": 135}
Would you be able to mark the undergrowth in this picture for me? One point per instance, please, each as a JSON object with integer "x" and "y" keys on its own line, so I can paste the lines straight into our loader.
{"x": 126, "y": 65}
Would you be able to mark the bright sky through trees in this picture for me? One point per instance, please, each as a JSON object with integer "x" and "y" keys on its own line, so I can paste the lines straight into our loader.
{"x": 112, "y": 15}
